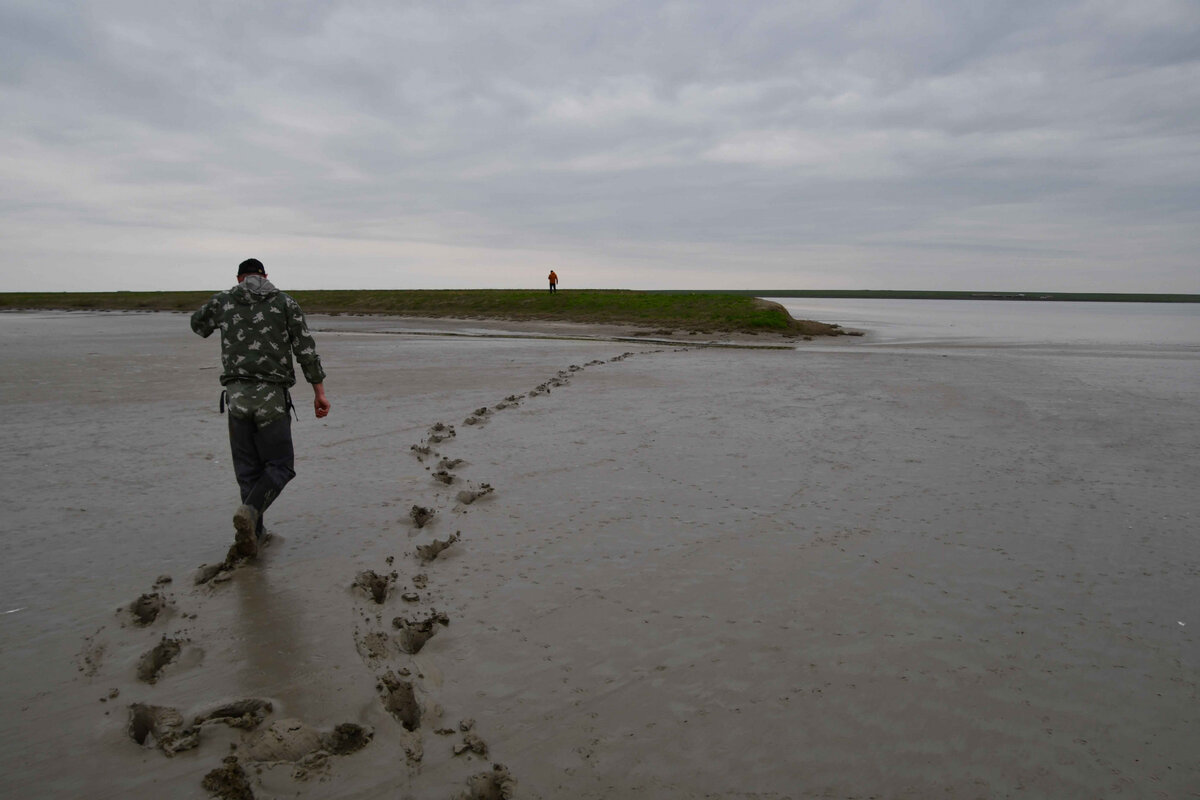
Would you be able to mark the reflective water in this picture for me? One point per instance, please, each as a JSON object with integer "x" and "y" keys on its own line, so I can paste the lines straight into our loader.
{"x": 1172, "y": 326}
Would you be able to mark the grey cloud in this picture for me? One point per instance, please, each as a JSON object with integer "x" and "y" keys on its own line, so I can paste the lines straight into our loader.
{"x": 616, "y": 128}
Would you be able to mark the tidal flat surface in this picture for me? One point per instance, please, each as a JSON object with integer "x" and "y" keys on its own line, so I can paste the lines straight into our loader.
{"x": 849, "y": 569}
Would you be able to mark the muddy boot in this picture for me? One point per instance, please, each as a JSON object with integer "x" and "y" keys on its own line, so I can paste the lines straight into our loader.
{"x": 245, "y": 523}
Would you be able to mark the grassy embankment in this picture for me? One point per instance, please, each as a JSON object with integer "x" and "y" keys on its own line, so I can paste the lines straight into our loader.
{"x": 666, "y": 311}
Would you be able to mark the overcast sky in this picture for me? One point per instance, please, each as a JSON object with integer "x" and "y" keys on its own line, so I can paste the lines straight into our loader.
{"x": 723, "y": 144}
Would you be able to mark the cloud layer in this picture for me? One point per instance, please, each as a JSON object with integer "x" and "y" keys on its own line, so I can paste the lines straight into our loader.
{"x": 1041, "y": 145}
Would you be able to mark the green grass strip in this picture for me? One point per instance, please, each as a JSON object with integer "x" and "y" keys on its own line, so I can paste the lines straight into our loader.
{"x": 704, "y": 312}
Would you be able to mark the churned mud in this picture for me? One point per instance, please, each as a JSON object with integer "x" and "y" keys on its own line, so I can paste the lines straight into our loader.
{"x": 229, "y": 781}
{"x": 442, "y": 476}
{"x": 347, "y": 738}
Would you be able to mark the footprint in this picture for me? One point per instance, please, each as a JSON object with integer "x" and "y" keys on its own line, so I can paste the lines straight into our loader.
{"x": 400, "y": 701}
{"x": 414, "y": 633}
{"x": 146, "y": 608}
{"x": 428, "y": 552}
{"x": 468, "y": 496}
{"x": 374, "y": 584}
{"x": 162, "y": 727}
{"x": 421, "y": 516}
{"x": 440, "y": 432}
{"x": 498, "y": 784}
{"x": 153, "y": 661}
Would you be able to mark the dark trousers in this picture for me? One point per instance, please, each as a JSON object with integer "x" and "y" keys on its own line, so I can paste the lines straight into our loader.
{"x": 263, "y": 460}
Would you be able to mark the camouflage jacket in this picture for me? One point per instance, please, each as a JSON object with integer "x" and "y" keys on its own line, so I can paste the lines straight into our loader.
{"x": 261, "y": 327}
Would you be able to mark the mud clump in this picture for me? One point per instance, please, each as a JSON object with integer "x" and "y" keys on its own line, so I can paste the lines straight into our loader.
{"x": 161, "y": 726}
{"x": 229, "y": 782}
{"x": 473, "y": 744}
{"x": 347, "y": 738}
{"x": 245, "y": 714}
{"x": 468, "y": 496}
{"x": 498, "y": 784}
{"x": 153, "y": 661}
{"x": 147, "y": 608}
{"x": 442, "y": 476}
{"x": 400, "y": 701}
{"x": 421, "y": 516}
{"x": 428, "y": 552}
{"x": 421, "y": 450}
{"x": 374, "y": 584}
{"x": 449, "y": 463}
{"x": 414, "y": 633}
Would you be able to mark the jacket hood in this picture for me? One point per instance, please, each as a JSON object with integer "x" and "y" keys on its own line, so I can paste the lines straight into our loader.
{"x": 254, "y": 289}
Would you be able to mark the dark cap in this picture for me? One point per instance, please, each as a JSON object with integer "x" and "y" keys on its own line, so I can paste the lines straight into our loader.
{"x": 251, "y": 266}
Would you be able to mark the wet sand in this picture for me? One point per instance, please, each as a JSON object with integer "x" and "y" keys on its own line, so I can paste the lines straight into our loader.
{"x": 641, "y": 570}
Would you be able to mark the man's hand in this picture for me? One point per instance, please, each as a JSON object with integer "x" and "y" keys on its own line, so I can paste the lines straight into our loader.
{"x": 320, "y": 403}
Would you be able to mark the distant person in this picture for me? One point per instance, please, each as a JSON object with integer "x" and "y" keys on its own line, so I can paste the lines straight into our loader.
{"x": 261, "y": 327}
{"x": 553, "y": 281}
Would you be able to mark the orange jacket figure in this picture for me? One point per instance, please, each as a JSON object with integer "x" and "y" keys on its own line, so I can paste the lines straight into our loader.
{"x": 553, "y": 281}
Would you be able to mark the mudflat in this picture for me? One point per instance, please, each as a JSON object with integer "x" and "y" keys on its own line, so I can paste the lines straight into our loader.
{"x": 550, "y": 567}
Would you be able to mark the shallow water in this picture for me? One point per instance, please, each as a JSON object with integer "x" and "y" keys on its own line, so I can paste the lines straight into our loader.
{"x": 998, "y": 323}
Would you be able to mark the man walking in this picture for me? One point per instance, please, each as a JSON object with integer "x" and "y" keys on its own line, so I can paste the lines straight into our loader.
{"x": 261, "y": 328}
{"x": 553, "y": 281}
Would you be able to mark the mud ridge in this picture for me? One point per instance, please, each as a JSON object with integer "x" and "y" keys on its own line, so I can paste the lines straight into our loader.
{"x": 245, "y": 714}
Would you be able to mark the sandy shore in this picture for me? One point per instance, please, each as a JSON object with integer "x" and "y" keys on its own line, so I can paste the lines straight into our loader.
{"x": 838, "y": 571}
